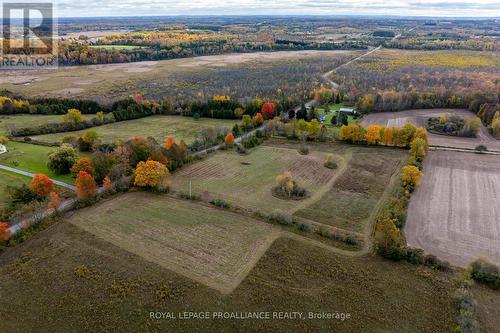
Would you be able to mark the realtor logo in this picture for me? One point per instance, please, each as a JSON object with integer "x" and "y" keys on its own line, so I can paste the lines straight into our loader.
{"x": 29, "y": 38}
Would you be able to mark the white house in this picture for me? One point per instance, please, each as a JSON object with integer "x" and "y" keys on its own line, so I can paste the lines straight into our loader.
{"x": 3, "y": 149}
{"x": 348, "y": 111}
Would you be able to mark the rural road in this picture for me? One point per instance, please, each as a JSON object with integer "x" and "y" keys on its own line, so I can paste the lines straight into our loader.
{"x": 29, "y": 174}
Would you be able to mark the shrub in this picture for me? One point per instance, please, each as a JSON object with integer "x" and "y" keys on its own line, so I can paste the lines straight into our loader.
{"x": 304, "y": 227}
{"x": 4, "y": 231}
{"x": 3, "y": 140}
{"x": 220, "y": 203}
{"x": 83, "y": 164}
{"x": 481, "y": 148}
{"x": 287, "y": 187}
{"x": 88, "y": 140}
{"x": 280, "y": 218}
{"x": 330, "y": 163}
{"x": 73, "y": 116}
{"x": 62, "y": 159}
{"x": 411, "y": 177}
{"x": 303, "y": 149}
{"x": 466, "y": 307}
{"x": 229, "y": 139}
{"x": 54, "y": 201}
{"x": 41, "y": 185}
{"x": 241, "y": 150}
{"x": 21, "y": 194}
{"x": 485, "y": 272}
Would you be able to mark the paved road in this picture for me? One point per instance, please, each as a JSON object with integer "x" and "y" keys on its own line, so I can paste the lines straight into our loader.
{"x": 29, "y": 174}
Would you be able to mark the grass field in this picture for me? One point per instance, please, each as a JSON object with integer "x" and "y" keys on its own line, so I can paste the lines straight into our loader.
{"x": 213, "y": 247}
{"x": 182, "y": 128}
{"x": 9, "y": 179}
{"x": 66, "y": 268}
{"x": 28, "y": 120}
{"x": 31, "y": 158}
{"x": 350, "y": 202}
{"x": 247, "y": 180}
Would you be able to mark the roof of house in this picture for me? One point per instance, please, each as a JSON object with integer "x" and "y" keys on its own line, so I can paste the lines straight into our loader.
{"x": 347, "y": 110}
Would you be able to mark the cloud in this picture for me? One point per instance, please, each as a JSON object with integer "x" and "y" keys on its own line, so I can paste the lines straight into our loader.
{"x": 473, "y": 8}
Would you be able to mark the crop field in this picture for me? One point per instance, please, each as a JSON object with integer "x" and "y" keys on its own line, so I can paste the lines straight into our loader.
{"x": 182, "y": 128}
{"x": 8, "y": 179}
{"x": 24, "y": 120}
{"x": 422, "y": 71}
{"x": 236, "y": 75}
{"x": 352, "y": 200}
{"x": 66, "y": 268}
{"x": 454, "y": 214}
{"x": 210, "y": 246}
{"x": 247, "y": 180}
{"x": 419, "y": 118}
{"x": 31, "y": 158}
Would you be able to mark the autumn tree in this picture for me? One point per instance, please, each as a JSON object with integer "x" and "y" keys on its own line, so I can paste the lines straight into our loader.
{"x": 268, "y": 110}
{"x": 246, "y": 122}
{"x": 85, "y": 185}
{"x": 418, "y": 149}
{"x": 258, "y": 119}
{"x": 387, "y": 136}
{"x": 229, "y": 139}
{"x": 152, "y": 174}
{"x": 4, "y": 231}
{"x": 169, "y": 142}
{"x": 41, "y": 185}
{"x": 83, "y": 164}
{"x": 389, "y": 241}
{"x": 372, "y": 135}
{"x": 352, "y": 133}
{"x": 411, "y": 177}
{"x": 106, "y": 183}
{"x": 54, "y": 201}
{"x": 421, "y": 133}
{"x": 88, "y": 140}
{"x": 73, "y": 116}
{"x": 3, "y": 140}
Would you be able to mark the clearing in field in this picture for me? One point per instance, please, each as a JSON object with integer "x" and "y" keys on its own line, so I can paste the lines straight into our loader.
{"x": 455, "y": 214}
{"x": 353, "y": 199}
{"x": 419, "y": 118}
{"x": 32, "y": 158}
{"x": 211, "y": 246}
{"x": 182, "y": 128}
{"x": 247, "y": 180}
{"x": 8, "y": 122}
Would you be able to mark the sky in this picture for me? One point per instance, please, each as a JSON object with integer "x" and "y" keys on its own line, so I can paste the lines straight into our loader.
{"x": 448, "y": 8}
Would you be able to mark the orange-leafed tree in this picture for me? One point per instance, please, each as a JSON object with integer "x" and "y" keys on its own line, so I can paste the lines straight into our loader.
{"x": 169, "y": 142}
{"x": 83, "y": 164}
{"x": 258, "y": 119}
{"x": 387, "y": 136}
{"x": 152, "y": 174}
{"x": 106, "y": 183}
{"x": 268, "y": 110}
{"x": 411, "y": 177}
{"x": 229, "y": 139}
{"x": 41, "y": 185}
{"x": 4, "y": 231}
{"x": 54, "y": 200}
{"x": 85, "y": 185}
{"x": 372, "y": 135}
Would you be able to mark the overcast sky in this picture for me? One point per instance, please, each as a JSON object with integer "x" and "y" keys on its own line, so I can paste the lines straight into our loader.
{"x": 462, "y": 8}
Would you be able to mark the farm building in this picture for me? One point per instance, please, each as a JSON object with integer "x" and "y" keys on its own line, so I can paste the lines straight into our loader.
{"x": 348, "y": 111}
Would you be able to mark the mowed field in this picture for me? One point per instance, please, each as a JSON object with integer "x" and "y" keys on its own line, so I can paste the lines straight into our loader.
{"x": 66, "y": 268}
{"x": 419, "y": 118}
{"x": 247, "y": 180}
{"x": 237, "y": 75}
{"x": 32, "y": 158}
{"x": 159, "y": 127}
{"x": 29, "y": 120}
{"x": 210, "y": 246}
{"x": 455, "y": 213}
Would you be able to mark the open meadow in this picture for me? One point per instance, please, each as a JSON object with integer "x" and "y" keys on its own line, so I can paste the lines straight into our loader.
{"x": 205, "y": 244}
{"x": 455, "y": 214}
{"x": 236, "y": 75}
{"x": 159, "y": 127}
{"x": 247, "y": 180}
{"x": 8, "y": 122}
{"x": 66, "y": 268}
